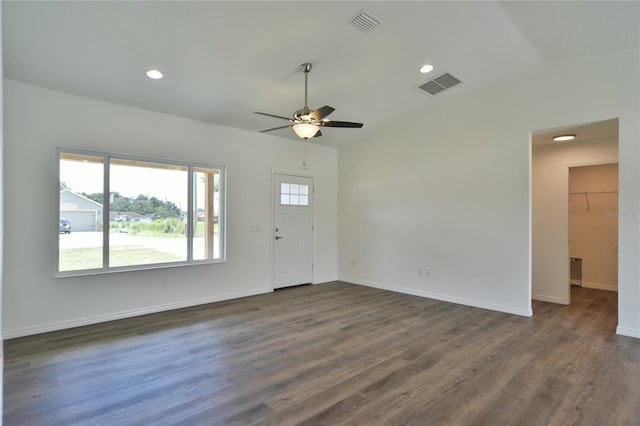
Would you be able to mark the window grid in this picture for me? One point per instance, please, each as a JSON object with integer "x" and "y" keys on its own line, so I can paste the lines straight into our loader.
{"x": 294, "y": 194}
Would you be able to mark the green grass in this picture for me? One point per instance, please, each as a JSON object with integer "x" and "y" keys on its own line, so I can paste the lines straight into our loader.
{"x": 149, "y": 230}
{"x": 80, "y": 258}
{"x": 150, "y": 233}
{"x": 91, "y": 258}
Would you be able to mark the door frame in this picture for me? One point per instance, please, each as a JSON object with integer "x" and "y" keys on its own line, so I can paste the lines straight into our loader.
{"x": 272, "y": 234}
{"x": 566, "y": 164}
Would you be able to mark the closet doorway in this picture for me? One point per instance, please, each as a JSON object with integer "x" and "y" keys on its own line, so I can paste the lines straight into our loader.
{"x": 593, "y": 226}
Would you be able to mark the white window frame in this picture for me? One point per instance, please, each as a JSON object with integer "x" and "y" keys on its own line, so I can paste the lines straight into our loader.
{"x": 107, "y": 157}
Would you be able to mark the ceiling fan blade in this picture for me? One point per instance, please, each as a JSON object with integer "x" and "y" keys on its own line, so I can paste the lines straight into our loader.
{"x": 318, "y": 134}
{"x": 274, "y": 128}
{"x": 332, "y": 123}
{"x": 321, "y": 112}
{"x": 272, "y": 115}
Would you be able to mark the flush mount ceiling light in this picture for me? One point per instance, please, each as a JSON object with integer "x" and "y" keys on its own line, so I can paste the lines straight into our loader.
{"x": 564, "y": 138}
{"x": 154, "y": 74}
{"x": 426, "y": 68}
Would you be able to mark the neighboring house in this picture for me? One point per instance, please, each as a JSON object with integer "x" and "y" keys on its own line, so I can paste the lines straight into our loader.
{"x": 83, "y": 213}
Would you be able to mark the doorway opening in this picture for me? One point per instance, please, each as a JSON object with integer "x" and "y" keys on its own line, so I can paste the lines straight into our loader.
{"x": 560, "y": 179}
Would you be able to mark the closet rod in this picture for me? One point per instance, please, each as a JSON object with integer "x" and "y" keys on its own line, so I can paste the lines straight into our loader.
{"x": 586, "y": 195}
{"x": 593, "y": 192}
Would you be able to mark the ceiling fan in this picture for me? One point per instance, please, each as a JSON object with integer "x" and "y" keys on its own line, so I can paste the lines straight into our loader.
{"x": 305, "y": 122}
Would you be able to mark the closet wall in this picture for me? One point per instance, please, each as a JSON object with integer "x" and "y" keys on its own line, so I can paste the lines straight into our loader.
{"x": 593, "y": 224}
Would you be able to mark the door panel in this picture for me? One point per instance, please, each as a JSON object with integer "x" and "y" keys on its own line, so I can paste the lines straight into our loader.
{"x": 293, "y": 230}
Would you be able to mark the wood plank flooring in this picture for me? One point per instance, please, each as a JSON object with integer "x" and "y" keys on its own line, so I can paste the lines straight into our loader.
{"x": 332, "y": 354}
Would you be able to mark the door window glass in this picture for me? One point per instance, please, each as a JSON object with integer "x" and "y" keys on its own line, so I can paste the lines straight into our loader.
{"x": 294, "y": 194}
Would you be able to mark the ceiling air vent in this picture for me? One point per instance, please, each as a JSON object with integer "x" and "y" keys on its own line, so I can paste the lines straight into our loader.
{"x": 365, "y": 21}
{"x": 440, "y": 83}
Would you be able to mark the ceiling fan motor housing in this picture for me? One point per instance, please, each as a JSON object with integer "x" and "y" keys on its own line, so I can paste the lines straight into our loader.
{"x": 302, "y": 114}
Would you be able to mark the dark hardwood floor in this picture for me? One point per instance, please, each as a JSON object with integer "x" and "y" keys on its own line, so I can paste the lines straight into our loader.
{"x": 332, "y": 354}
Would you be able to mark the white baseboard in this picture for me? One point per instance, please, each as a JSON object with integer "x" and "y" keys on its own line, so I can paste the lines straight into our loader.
{"x": 442, "y": 297}
{"x": 627, "y": 331}
{"x": 322, "y": 280}
{"x": 61, "y": 325}
{"x": 550, "y": 299}
{"x": 598, "y": 286}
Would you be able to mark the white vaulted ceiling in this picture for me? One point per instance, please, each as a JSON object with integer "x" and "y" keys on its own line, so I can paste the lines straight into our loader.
{"x": 224, "y": 60}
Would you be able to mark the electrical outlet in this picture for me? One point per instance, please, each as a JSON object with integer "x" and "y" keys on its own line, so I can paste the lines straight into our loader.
{"x": 164, "y": 281}
{"x": 353, "y": 262}
{"x": 424, "y": 271}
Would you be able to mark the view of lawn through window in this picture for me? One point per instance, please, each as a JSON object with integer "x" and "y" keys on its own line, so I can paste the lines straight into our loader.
{"x": 156, "y": 213}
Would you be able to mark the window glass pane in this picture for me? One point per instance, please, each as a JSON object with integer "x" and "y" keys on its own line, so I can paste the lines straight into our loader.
{"x": 293, "y": 194}
{"x": 206, "y": 225}
{"x": 152, "y": 218}
{"x": 80, "y": 215}
{"x": 147, "y": 221}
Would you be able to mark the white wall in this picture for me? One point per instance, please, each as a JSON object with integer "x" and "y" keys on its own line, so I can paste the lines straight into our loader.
{"x": 593, "y": 224}
{"x": 450, "y": 187}
{"x": 550, "y": 182}
{"x": 1, "y": 216}
{"x": 37, "y": 120}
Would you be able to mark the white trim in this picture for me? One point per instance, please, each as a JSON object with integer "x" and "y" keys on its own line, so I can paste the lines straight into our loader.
{"x": 629, "y": 332}
{"x": 445, "y": 298}
{"x": 550, "y": 299}
{"x": 598, "y": 286}
{"x": 530, "y": 220}
{"x": 61, "y": 325}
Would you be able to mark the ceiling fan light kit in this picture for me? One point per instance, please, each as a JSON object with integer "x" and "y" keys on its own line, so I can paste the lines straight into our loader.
{"x": 305, "y": 122}
{"x": 305, "y": 130}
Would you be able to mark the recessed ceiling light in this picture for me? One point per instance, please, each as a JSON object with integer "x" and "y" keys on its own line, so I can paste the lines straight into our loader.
{"x": 154, "y": 74}
{"x": 426, "y": 68}
{"x": 564, "y": 138}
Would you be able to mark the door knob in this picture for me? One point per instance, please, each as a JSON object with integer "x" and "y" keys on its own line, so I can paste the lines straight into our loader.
{"x": 278, "y": 237}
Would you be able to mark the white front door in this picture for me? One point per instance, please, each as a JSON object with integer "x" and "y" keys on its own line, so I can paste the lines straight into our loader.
{"x": 293, "y": 230}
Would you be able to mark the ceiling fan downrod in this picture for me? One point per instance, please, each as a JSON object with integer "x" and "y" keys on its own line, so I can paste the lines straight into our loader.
{"x": 306, "y": 68}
